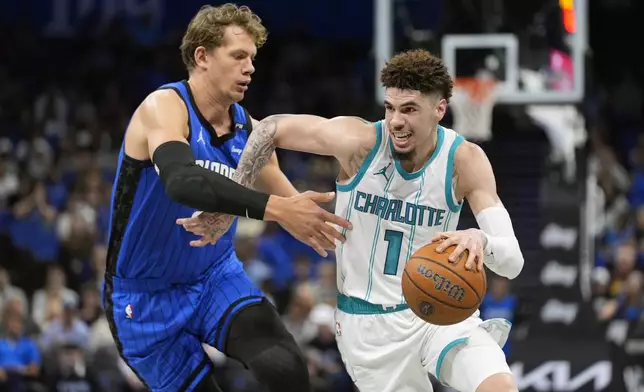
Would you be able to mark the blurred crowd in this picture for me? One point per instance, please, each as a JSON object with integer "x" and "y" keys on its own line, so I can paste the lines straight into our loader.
{"x": 617, "y": 139}
{"x": 62, "y": 118}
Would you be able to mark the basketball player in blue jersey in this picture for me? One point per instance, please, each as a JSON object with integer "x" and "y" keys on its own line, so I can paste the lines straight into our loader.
{"x": 163, "y": 297}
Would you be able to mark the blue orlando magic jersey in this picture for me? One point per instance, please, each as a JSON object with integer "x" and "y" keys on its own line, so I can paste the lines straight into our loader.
{"x": 145, "y": 242}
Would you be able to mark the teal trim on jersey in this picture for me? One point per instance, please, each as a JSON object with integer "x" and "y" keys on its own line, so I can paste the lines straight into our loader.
{"x": 365, "y": 165}
{"x": 352, "y": 305}
{"x": 413, "y": 230}
{"x": 441, "y": 356}
{"x": 410, "y": 176}
{"x": 373, "y": 246}
{"x": 449, "y": 175}
{"x": 344, "y": 230}
{"x": 447, "y": 220}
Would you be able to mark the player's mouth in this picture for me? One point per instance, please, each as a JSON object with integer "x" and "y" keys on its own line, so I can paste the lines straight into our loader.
{"x": 401, "y": 139}
{"x": 243, "y": 85}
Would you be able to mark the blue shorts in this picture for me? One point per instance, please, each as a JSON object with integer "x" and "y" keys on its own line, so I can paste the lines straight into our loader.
{"x": 159, "y": 328}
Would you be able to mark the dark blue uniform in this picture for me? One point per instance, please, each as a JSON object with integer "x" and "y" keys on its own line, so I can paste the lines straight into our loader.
{"x": 164, "y": 298}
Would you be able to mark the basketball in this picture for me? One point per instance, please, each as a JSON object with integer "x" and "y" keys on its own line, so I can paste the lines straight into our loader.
{"x": 439, "y": 291}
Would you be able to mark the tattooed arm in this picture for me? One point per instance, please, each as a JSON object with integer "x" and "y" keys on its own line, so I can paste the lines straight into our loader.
{"x": 348, "y": 139}
{"x": 271, "y": 179}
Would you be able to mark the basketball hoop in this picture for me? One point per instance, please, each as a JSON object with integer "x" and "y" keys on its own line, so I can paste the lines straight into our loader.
{"x": 472, "y": 105}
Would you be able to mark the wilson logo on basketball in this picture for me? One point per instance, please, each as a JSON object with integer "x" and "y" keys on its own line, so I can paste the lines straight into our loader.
{"x": 441, "y": 283}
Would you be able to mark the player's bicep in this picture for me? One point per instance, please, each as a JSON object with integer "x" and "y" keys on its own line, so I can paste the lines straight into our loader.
{"x": 339, "y": 137}
{"x": 475, "y": 177}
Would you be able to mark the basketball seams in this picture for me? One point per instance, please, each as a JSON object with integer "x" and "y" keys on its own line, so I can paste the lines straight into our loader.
{"x": 452, "y": 271}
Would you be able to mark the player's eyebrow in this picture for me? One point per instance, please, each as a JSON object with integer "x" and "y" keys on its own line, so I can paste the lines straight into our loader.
{"x": 404, "y": 104}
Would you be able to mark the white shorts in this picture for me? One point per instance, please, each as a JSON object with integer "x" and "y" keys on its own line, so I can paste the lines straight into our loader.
{"x": 393, "y": 352}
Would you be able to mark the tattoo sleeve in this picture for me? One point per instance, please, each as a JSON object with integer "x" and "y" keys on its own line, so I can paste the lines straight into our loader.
{"x": 258, "y": 151}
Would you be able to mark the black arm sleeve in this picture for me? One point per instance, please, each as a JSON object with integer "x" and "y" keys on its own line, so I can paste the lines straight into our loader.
{"x": 191, "y": 185}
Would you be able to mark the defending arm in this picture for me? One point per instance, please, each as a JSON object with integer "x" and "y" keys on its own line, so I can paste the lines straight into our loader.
{"x": 191, "y": 185}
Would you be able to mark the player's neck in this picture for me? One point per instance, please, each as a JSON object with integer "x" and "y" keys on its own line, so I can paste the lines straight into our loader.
{"x": 212, "y": 106}
{"x": 422, "y": 154}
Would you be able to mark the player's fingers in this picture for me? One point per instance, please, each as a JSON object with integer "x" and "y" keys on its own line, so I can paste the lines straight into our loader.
{"x": 460, "y": 248}
{"x": 333, "y": 218}
{"x": 186, "y": 221}
{"x": 330, "y": 231}
{"x": 449, "y": 241}
{"x": 471, "y": 257}
{"x": 319, "y": 197}
{"x": 198, "y": 243}
{"x": 316, "y": 246}
{"x": 481, "y": 260}
{"x": 323, "y": 240}
{"x": 437, "y": 237}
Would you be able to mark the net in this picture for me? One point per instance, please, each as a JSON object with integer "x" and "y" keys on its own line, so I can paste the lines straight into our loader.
{"x": 472, "y": 105}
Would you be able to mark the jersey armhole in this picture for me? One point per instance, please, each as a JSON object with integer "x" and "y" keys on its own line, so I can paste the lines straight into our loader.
{"x": 352, "y": 182}
{"x": 450, "y": 197}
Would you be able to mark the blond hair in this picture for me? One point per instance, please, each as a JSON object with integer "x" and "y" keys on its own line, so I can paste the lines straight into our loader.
{"x": 207, "y": 29}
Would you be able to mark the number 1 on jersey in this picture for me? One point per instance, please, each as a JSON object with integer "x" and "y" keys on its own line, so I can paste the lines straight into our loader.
{"x": 394, "y": 244}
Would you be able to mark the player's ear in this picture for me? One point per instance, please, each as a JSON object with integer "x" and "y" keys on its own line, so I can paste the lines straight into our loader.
{"x": 200, "y": 56}
{"x": 441, "y": 108}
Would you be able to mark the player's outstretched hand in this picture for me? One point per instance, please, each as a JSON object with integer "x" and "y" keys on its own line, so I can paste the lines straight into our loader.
{"x": 471, "y": 239}
{"x": 209, "y": 225}
{"x": 308, "y": 222}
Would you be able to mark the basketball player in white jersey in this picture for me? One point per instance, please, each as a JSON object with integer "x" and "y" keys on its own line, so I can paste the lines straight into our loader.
{"x": 402, "y": 184}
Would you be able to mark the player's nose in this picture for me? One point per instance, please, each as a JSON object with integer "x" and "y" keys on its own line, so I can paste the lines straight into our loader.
{"x": 249, "y": 69}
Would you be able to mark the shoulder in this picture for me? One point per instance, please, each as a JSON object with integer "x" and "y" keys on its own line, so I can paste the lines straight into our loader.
{"x": 356, "y": 127}
{"x": 470, "y": 158}
{"x": 162, "y": 99}
{"x": 159, "y": 107}
{"x": 469, "y": 152}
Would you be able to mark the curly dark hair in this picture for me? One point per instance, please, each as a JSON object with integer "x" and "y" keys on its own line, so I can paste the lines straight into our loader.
{"x": 417, "y": 70}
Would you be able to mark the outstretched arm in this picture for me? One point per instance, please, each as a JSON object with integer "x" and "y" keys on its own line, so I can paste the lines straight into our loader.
{"x": 272, "y": 179}
{"x": 475, "y": 181}
{"x": 348, "y": 139}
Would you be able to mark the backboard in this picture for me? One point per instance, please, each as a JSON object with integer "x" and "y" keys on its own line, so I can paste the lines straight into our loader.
{"x": 541, "y": 60}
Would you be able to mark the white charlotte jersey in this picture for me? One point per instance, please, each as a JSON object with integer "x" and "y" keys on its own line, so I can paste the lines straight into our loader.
{"x": 394, "y": 213}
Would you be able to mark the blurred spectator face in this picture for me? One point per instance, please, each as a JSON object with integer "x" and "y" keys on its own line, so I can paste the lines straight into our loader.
{"x": 326, "y": 271}
{"x": 499, "y": 287}
{"x": 13, "y": 324}
{"x": 302, "y": 303}
{"x": 16, "y": 306}
{"x": 90, "y": 298}
{"x": 55, "y": 279}
{"x": 625, "y": 257}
